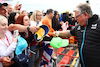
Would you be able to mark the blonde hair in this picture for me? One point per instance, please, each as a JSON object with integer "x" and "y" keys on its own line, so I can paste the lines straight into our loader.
{"x": 33, "y": 16}
{"x": 2, "y": 17}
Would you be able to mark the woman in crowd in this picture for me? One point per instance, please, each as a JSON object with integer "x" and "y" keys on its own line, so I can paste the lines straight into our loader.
{"x": 35, "y": 20}
{"x": 55, "y": 21}
{"x": 24, "y": 20}
{"x": 8, "y": 42}
{"x": 56, "y": 25}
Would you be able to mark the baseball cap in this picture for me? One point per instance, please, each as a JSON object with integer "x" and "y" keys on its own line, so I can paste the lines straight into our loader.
{"x": 3, "y": 4}
{"x": 22, "y": 44}
{"x": 58, "y": 42}
{"x": 38, "y": 36}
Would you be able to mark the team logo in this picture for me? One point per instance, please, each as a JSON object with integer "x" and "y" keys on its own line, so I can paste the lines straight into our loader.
{"x": 94, "y": 26}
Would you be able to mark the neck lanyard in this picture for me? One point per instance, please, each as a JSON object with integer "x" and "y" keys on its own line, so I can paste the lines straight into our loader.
{"x": 27, "y": 34}
{"x": 7, "y": 41}
{"x": 82, "y": 45}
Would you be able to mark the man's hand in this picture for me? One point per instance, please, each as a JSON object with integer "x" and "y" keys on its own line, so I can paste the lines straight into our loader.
{"x": 6, "y": 61}
{"x": 56, "y": 33}
{"x": 34, "y": 29}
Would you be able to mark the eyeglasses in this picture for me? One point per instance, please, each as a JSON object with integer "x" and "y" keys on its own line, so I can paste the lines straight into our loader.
{"x": 79, "y": 15}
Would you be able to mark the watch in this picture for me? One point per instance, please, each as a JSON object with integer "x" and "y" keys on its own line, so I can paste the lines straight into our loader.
{"x": 28, "y": 28}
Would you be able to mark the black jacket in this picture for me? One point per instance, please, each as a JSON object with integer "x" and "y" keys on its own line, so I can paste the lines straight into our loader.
{"x": 91, "y": 46}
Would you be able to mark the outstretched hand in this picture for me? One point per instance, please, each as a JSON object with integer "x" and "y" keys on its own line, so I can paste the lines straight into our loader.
{"x": 56, "y": 33}
{"x": 34, "y": 29}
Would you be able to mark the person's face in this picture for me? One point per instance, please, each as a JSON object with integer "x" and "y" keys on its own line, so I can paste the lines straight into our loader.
{"x": 39, "y": 16}
{"x": 26, "y": 21}
{"x": 80, "y": 18}
{"x": 57, "y": 16}
{"x": 10, "y": 9}
{"x": 4, "y": 11}
{"x": 52, "y": 14}
{"x": 3, "y": 26}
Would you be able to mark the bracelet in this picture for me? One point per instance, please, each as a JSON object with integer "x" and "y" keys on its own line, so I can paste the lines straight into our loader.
{"x": 28, "y": 28}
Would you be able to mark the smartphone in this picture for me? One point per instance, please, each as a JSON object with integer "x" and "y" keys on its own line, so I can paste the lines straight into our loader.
{"x": 15, "y": 33}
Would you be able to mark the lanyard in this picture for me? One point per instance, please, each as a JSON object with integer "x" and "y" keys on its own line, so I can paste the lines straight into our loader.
{"x": 82, "y": 45}
{"x": 27, "y": 34}
{"x": 7, "y": 41}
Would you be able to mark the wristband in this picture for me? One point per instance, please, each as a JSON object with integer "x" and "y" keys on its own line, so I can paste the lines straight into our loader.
{"x": 28, "y": 28}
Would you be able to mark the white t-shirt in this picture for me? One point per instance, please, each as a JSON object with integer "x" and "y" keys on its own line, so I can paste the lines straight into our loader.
{"x": 7, "y": 51}
{"x": 33, "y": 23}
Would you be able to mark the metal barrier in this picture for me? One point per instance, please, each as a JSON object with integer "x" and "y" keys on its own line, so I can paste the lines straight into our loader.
{"x": 70, "y": 53}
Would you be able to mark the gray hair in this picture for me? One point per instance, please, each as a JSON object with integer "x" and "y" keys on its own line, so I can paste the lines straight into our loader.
{"x": 84, "y": 7}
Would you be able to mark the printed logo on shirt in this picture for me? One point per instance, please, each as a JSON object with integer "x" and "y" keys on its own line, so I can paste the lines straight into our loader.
{"x": 78, "y": 28}
{"x": 94, "y": 26}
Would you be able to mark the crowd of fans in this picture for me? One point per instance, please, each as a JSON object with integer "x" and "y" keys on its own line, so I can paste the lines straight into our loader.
{"x": 28, "y": 24}
{"x": 41, "y": 53}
